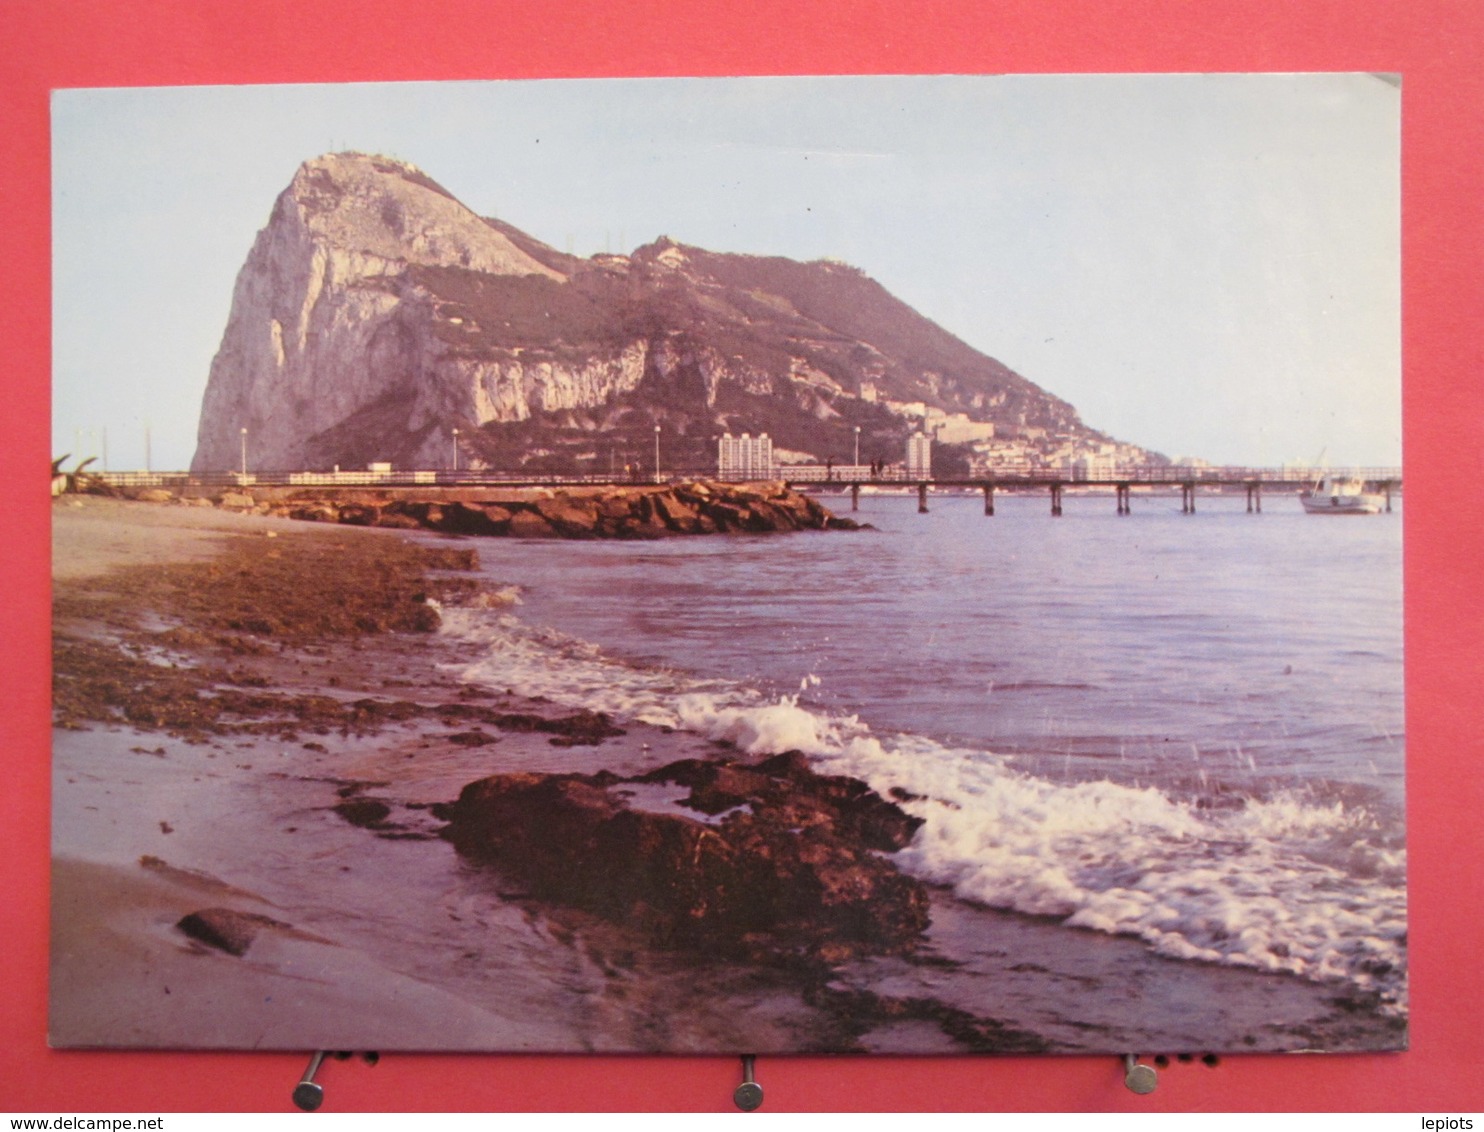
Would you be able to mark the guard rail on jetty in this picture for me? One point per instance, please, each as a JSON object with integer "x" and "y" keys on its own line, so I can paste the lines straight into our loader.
{"x": 1121, "y": 480}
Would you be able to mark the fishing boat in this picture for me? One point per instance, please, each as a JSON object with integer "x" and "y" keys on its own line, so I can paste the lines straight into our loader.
{"x": 1341, "y": 495}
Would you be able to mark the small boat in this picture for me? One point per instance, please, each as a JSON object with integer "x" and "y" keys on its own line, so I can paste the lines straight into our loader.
{"x": 1341, "y": 495}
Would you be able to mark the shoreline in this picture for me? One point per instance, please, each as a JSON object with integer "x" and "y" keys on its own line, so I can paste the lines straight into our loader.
{"x": 167, "y": 812}
{"x": 270, "y": 815}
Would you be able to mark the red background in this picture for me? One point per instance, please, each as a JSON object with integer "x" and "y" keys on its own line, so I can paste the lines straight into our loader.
{"x": 1435, "y": 44}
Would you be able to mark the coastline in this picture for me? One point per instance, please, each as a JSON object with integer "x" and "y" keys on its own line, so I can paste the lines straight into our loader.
{"x": 320, "y": 820}
{"x": 136, "y": 813}
{"x": 297, "y": 802}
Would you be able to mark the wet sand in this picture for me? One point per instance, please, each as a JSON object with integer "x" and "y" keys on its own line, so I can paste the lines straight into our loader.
{"x": 93, "y": 534}
{"x": 140, "y": 818}
{"x": 388, "y": 942}
{"x": 382, "y": 938}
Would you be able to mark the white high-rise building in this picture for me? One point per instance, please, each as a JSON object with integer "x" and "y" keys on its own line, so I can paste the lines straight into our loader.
{"x": 745, "y": 457}
{"x": 920, "y": 456}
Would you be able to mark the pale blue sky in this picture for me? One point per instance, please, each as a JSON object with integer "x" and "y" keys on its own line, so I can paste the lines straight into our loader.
{"x": 1204, "y": 265}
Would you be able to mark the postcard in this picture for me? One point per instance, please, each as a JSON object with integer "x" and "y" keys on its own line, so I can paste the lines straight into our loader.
{"x": 858, "y": 564}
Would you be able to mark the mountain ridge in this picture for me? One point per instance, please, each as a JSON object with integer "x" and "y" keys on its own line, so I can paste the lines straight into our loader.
{"x": 376, "y": 314}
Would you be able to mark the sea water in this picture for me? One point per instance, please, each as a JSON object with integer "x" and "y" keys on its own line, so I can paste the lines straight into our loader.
{"x": 1183, "y": 729}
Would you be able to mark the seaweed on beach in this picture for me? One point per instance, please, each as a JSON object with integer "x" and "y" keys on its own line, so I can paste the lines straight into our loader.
{"x": 289, "y": 590}
{"x": 161, "y": 647}
{"x": 189, "y": 648}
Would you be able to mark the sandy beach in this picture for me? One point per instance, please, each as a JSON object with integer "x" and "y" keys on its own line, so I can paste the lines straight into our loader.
{"x": 258, "y": 737}
{"x": 149, "y": 827}
{"x": 279, "y": 776}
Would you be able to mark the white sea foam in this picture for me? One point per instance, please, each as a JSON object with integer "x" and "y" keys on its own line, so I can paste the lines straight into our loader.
{"x": 1283, "y": 884}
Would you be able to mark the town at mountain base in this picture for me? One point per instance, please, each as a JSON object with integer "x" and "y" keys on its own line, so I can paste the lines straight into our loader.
{"x": 379, "y": 320}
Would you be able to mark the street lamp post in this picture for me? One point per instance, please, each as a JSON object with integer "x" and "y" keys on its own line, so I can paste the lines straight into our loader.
{"x": 857, "y": 446}
{"x": 244, "y": 454}
{"x": 656, "y": 453}
{"x": 455, "y": 449}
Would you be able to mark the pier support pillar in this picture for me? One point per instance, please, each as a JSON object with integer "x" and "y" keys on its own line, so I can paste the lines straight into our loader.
{"x": 1254, "y": 498}
{"x": 1125, "y": 503}
{"x": 1056, "y": 499}
{"x": 922, "y": 499}
{"x": 989, "y": 499}
{"x": 1187, "y": 499}
{"x": 855, "y": 497}
{"x": 1387, "y": 486}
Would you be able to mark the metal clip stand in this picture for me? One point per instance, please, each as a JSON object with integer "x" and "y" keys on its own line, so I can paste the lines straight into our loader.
{"x": 748, "y": 1096}
{"x": 1140, "y": 1079}
{"x": 308, "y": 1095}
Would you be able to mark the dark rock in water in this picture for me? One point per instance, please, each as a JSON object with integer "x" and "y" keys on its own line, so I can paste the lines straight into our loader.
{"x": 461, "y": 518}
{"x": 368, "y": 813}
{"x": 475, "y": 738}
{"x": 529, "y": 524}
{"x": 315, "y": 513}
{"x": 359, "y": 514}
{"x": 573, "y": 517}
{"x": 580, "y": 729}
{"x": 226, "y": 929}
{"x": 788, "y": 866}
{"x": 397, "y": 522}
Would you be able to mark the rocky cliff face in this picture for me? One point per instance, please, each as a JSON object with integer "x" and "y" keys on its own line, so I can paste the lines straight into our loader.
{"x": 325, "y": 321}
{"x": 375, "y": 315}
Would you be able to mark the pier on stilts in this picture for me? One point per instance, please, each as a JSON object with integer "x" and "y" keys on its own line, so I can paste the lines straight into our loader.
{"x": 1121, "y": 482}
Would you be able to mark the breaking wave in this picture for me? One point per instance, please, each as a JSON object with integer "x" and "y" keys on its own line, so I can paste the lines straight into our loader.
{"x": 1284, "y": 883}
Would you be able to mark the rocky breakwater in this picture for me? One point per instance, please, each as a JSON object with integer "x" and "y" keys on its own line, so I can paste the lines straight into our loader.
{"x": 646, "y": 512}
{"x": 767, "y": 861}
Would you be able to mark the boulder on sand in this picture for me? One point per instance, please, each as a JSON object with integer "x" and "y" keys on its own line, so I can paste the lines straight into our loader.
{"x": 226, "y": 929}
